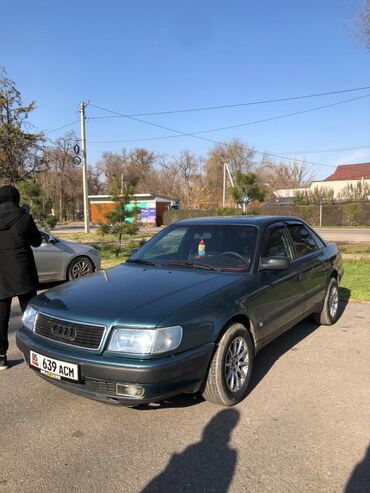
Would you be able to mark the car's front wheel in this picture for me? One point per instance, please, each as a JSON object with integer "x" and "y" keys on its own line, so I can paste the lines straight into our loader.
{"x": 231, "y": 367}
{"x": 79, "y": 267}
{"x": 330, "y": 310}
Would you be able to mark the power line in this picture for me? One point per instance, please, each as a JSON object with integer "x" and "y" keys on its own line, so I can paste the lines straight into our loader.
{"x": 264, "y": 120}
{"x": 250, "y": 103}
{"x": 339, "y": 149}
{"x": 211, "y": 140}
{"x": 203, "y": 138}
{"x": 64, "y": 126}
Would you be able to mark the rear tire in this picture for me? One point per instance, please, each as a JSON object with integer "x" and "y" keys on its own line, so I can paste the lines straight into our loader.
{"x": 231, "y": 367}
{"x": 79, "y": 267}
{"x": 330, "y": 310}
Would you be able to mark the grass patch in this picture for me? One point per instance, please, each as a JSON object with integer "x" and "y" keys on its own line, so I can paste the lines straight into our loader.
{"x": 356, "y": 280}
{"x": 93, "y": 238}
{"x": 108, "y": 254}
{"x": 355, "y": 249}
{"x": 107, "y": 245}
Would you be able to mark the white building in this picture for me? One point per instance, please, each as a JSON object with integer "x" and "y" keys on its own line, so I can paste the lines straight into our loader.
{"x": 357, "y": 175}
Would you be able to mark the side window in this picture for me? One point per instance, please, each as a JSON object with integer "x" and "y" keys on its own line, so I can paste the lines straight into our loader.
{"x": 318, "y": 240}
{"x": 278, "y": 244}
{"x": 302, "y": 239}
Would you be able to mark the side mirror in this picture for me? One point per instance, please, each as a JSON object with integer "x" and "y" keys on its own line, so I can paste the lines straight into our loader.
{"x": 274, "y": 263}
{"x": 45, "y": 238}
{"x": 133, "y": 251}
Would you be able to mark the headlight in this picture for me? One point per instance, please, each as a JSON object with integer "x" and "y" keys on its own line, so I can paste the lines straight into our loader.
{"x": 145, "y": 341}
{"x": 29, "y": 317}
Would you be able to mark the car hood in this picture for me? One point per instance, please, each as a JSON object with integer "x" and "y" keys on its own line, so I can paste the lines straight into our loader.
{"x": 72, "y": 247}
{"x": 131, "y": 295}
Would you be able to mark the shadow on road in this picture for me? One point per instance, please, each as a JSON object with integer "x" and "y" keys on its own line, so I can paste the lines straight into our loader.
{"x": 205, "y": 466}
{"x": 262, "y": 364}
{"x": 360, "y": 478}
{"x": 177, "y": 401}
{"x": 14, "y": 362}
{"x": 266, "y": 358}
{"x": 344, "y": 294}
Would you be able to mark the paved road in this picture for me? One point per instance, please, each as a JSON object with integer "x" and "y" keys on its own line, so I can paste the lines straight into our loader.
{"x": 305, "y": 426}
{"x": 355, "y": 235}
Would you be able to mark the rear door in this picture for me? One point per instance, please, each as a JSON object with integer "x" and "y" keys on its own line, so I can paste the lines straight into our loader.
{"x": 310, "y": 261}
{"x": 279, "y": 301}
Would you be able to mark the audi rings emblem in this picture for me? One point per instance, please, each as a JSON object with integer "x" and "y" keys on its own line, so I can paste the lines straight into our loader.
{"x": 64, "y": 332}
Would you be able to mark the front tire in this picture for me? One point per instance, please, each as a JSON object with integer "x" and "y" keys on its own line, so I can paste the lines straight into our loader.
{"x": 79, "y": 267}
{"x": 330, "y": 310}
{"x": 231, "y": 367}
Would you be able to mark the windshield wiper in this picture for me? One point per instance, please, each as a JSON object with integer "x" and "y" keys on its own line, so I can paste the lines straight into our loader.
{"x": 139, "y": 261}
{"x": 196, "y": 265}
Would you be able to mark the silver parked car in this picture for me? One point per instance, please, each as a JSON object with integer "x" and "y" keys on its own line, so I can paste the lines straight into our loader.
{"x": 58, "y": 260}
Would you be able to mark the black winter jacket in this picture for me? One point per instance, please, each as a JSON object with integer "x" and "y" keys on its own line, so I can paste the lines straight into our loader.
{"x": 18, "y": 232}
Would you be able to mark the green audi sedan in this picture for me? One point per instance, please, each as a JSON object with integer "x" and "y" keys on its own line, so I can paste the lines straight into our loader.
{"x": 186, "y": 313}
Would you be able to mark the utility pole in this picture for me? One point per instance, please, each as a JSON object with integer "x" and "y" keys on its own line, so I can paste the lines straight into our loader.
{"x": 230, "y": 177}
{"x": 84, "y": 168}
{"x": 226, "y": 170}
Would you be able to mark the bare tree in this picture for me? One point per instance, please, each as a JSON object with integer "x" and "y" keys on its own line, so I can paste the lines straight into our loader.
{"x": 191, "y": 180}
{"x": 94, "y": 178}
{"x": 61, "y": 178}
{"x": 362, "y": 25}
{"x": 131, "y": 168}
{"x": 286, "y": 175}
{"x": 240, "y": 158}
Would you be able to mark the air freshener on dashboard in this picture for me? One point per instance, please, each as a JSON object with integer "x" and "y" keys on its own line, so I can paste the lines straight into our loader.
{"x": 201, "y": 248}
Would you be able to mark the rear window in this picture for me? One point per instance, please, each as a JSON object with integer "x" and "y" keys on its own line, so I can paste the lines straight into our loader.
{"x": 302, "y": 239}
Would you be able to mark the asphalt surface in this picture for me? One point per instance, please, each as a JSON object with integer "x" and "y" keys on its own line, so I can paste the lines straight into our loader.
{"x": 304, "y": 427}
{"x": 354, "y": 235}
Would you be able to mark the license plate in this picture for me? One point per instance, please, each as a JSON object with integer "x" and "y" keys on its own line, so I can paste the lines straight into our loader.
{"x": 54, "y": 368}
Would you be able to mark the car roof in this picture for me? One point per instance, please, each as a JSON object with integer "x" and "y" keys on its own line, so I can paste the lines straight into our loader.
{"x": 261, "y": 221}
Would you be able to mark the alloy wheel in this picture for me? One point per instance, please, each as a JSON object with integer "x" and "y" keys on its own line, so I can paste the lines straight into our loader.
{"x": 80, "y": 269}
{"x": 236, "y": 364}
{"x": 333, "y": 302}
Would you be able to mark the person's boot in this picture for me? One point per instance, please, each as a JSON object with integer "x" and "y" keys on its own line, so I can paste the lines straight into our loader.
{"x": 3, "y": 362}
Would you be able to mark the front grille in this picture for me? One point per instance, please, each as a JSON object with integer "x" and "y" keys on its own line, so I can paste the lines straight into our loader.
{"x": 71, "y": 333}
{"x": 100, "y": 386}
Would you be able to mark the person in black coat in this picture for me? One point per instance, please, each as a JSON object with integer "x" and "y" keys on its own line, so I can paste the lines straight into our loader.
{"x": 18, "y": 274}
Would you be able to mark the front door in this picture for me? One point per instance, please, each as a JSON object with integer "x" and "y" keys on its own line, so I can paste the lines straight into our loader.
{"x": 310, "y": 261}
{"x": 280, "y": 299}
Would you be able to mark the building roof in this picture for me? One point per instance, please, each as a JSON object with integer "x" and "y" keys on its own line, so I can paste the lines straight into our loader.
{"x": 350, "y": 172}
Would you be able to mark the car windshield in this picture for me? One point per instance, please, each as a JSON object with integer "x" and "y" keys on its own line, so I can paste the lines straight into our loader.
{"x": 211, "y": 247}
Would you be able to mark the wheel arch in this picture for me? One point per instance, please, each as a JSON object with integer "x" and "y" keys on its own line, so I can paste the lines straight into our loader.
{"x": 243, "y": 319}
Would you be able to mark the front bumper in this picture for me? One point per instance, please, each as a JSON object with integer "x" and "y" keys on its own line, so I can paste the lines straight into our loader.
{"x": 160, "y": 378}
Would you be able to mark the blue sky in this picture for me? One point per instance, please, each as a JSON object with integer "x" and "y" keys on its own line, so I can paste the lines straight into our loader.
{"x": 147, "y": 56}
